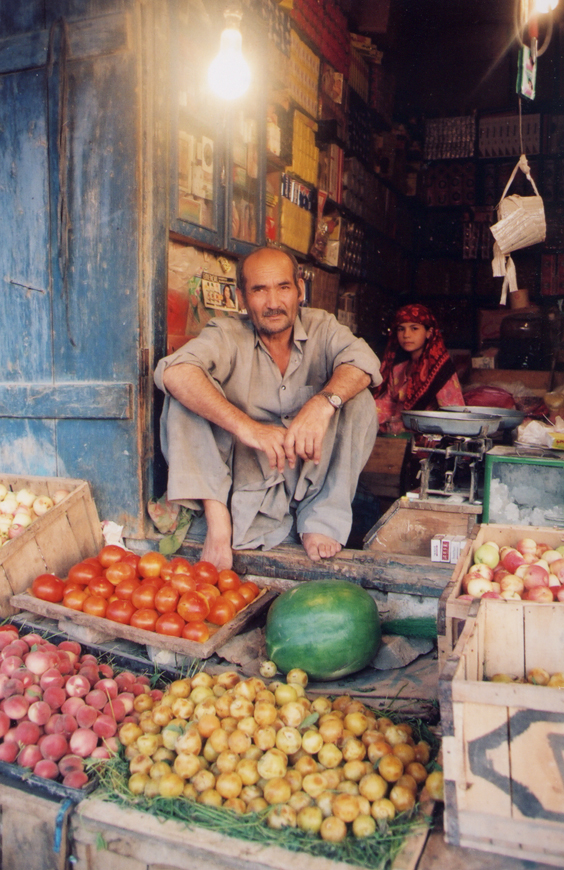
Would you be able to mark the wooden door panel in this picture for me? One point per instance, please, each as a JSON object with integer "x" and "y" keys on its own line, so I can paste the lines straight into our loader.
{"x": 24, "y": 219}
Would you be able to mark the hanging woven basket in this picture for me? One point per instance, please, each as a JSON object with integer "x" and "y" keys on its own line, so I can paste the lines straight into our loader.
{"x": 521, "y": 223}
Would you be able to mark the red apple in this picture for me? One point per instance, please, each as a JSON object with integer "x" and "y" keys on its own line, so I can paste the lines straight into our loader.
{"x": 535, "y": 575}
{"x": 478, "y": 585}
{"x": 526, "y": 545}
{"x": 510, "y": 595}
{"x": 511, "y": 559}
{"x": 540, "y": 594}
{"x": 512, "y": 583}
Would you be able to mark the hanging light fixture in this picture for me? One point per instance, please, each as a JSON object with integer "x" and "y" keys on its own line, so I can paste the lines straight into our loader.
{"x": 544, "y": 6}
{"x": 229, "y": 74}
{"x": 526, "y": 20}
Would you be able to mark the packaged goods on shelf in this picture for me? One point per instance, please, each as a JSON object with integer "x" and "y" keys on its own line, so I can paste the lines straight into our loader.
{"x": 304, "y": 75}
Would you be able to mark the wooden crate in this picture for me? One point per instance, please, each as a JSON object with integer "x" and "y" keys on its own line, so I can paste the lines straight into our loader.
{"x": 67, "y": 533}
{"x": 106, "y": 836}
{"x": 34, "y": 829}
{"x": 452, "y": 613}
{"x": 408, "y": 527}
{"x": 100, "y": 630}
{"x": 502, "y": 742}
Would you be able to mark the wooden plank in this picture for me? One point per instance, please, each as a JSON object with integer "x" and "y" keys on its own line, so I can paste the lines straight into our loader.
{"x": 69, "y": 618}
{"x": 77, "y": 400}
{"x": 104, "y": 35}
{"x": 479, "y": 830}
{"x": 28, "y": 830}
{"x": 481, "y": 720}
{"x": 410, "y": 853}
{"x": 143, "y": 837}
{"x": 509, "y": 695}
{"x": 385, "y": 573}
{"x": 543, "y": 629}
{"x": 537, "y": 740}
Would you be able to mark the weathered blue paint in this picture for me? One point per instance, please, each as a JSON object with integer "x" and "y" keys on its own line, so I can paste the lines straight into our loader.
{"x": 70, "y": 350}
{"x": 76, "y": 400}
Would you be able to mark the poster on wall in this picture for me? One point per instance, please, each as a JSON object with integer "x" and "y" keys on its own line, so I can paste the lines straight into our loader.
{"x": 219, "y": 292}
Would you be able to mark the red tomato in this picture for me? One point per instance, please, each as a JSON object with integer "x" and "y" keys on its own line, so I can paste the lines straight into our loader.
{"x": 121, "y": 571}
{"x": 193, "y": 607}
{"x": 236, "y": 600}
{"x": 153, "y": 581}
{"x": 145, "y": 618}
{"x": 120, "y": 611}
{"x": 248, "y": 590}
{"x": 170, "y": 623}
{"x": 221, "y": 612}
{"x": 144, "y": 596}
{"x": 84, "y": 572}
{"x": 131, "y": 559}
{"x": 208, "y": 591}
{"x": 228, "y": 580}
{"x": 150, "y": 564}
{"x": 166, "y": 573}
{"x": 75, "y": 598}
{"x": 181, "y": 565}
{"x": 126, "y": 588}
{"x": 166, "y": 598}
{"x": 93, "y": 560}
{"x": 73, "y": 585}
{"x": 48, "y": 587}
{"x": 198, "y": 631}
{"x": 109, "y": 554}
{"x": 101, "y": 587}
{"x": 183, "y": 582}
{"x": 95, "y": 605}
{"x": 205, "y": 572}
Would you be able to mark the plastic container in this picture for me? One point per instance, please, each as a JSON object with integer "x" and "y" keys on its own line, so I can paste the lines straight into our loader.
{"x": 523, "y": 490}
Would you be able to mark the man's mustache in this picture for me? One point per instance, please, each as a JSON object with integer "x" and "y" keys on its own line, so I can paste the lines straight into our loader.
{"x": 273, "y": 312}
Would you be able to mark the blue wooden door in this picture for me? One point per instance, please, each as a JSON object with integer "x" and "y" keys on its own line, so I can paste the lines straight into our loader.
{"x": 73, "y": 328}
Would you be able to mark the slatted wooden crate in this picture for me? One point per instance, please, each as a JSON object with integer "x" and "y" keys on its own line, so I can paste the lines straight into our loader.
{"x": 106, "y": 836}
{"x": 452, "y": 612}
{"x": 503, "y": 742}
{"x": 67, "y": 533}
{"x": 34, "y": 829}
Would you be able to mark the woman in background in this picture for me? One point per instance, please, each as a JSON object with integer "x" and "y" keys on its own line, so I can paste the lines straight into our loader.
{"x": 418, "y": 373}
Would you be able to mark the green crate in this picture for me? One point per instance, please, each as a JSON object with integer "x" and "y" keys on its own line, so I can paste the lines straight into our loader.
{"x": 535, "y": 488}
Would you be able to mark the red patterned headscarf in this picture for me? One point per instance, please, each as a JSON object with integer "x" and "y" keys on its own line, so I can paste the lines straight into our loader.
{"x": 430, "y": 372}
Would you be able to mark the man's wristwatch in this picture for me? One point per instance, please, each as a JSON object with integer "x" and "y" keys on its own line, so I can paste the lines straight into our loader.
{"x": 332, "y": 398}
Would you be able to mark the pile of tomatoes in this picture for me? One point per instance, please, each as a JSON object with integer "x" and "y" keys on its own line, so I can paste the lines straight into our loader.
{"x": 173, "y": 598}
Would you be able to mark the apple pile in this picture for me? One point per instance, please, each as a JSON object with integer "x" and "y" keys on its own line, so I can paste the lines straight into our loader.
{"x": 19, "y": 509}
{"x": 60, "y": 706}
{"x": 529, "y": 571}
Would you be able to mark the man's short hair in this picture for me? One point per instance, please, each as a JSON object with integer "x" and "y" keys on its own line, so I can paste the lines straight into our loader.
{"x": 241, "y": 280}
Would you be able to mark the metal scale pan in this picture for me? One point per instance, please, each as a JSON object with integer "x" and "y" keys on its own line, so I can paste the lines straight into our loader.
{"x": 510, "y": 419}
{"x": 456, "y": 424}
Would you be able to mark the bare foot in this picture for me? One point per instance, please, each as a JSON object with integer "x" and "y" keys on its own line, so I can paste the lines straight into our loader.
{"x": 319, "y": 546}
{"x": 217, "y": 545}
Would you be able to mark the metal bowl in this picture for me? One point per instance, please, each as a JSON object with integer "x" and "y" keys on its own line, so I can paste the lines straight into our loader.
{"x": 450, "y": 423}
{"x": 510, "y": 419}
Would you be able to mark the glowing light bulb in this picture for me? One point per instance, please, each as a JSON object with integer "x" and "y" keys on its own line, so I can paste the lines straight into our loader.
{"x": 229, "y": 75}
{"x": 541, "y": 7}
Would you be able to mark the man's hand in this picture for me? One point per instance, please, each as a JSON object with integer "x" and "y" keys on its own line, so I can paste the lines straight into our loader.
{"x": 304, "y": 437}
{"x": 268, "y": 438}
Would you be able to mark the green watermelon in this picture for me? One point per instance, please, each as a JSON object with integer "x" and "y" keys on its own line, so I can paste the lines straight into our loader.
{"x": 329, "y": 628}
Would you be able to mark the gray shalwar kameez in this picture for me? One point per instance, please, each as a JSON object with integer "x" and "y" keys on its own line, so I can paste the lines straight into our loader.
{"x": 205, "y": 461}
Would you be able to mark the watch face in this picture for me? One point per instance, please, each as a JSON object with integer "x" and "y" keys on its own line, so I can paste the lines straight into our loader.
{"x": 336, "y": 401}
